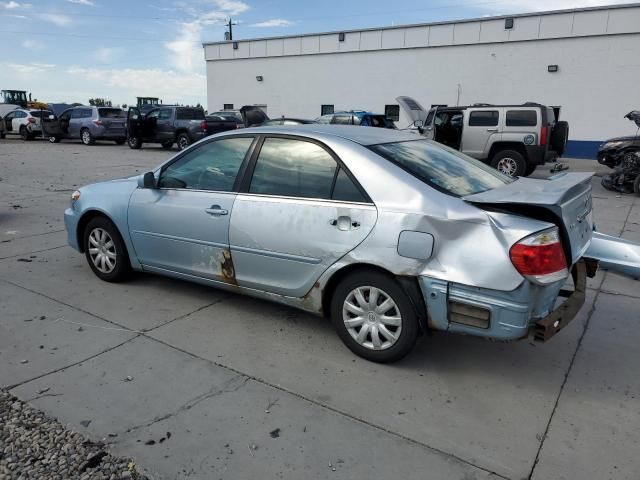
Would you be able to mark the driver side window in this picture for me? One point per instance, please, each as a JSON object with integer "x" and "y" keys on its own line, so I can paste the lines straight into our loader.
{"x": 153, "y": 114}
{"x": 212, "y": 166}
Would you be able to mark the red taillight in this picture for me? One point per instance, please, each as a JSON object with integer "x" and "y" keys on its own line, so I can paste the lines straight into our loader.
{"x": 31, "y": 120}
{"x": 540, "y": 257}
{"x": 543, "y": 135}
{"x": 203, "y": 125}
{"x": 97, "y": 122}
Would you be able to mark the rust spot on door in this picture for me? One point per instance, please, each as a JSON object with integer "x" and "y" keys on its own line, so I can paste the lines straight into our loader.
{"x": 227, "y": 268}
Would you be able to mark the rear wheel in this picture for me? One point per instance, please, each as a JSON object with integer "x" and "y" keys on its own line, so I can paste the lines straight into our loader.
{"x": 167, "y": 145}
{"x": 105, "y": 250}
{"x": 183, "y": 141}
{"x": 135, "y": 142}
{"x": 86, "y": 137}
{"x": 510, "y": 163}
{"x": 374, "y": 317}
{"x": 24, "y": 133}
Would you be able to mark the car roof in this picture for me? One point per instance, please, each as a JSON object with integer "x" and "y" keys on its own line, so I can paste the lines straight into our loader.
{"x": 362, "y": 135}
{"x": 357, "y": 113}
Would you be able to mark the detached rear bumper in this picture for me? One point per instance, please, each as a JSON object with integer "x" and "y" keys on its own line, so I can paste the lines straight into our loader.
{"x": 560, "y": 318}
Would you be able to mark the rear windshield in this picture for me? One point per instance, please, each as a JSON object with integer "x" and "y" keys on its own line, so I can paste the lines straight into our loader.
{"x": 111, "y": 113}
{"x": 189, "y": 114}
{"x": 40, "y": 113}
{"x": 380, "y": 121}
{"x": 442, "y": 168}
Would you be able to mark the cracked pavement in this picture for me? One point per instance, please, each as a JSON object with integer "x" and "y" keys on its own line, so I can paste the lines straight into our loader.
{"x": 220, "y": 372}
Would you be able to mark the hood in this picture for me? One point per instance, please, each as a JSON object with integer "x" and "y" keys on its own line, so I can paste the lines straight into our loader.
{"x": 253, "y": 115}
{"x": 413, "y": 109}
{"x": 634, "y": 116}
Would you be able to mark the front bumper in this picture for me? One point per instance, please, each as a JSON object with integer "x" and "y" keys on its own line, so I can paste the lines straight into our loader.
{"x": 71, "y": 219}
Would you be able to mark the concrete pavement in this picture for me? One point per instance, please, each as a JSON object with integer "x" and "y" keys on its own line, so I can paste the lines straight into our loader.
{"x": 250, "y": 389}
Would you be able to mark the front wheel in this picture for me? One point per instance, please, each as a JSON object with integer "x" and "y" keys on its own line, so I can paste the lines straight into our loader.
{"x": 105, "y": 250}
{"x": 135, "y": 142}
{"x": 86, "y": 137}
{"x": 374, "y": 317}
{"x": 183, "y": 141}
{"x": 510, "y": 163}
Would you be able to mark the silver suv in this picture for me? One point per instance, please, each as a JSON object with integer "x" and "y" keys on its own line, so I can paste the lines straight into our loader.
{"x": 88, "y": 124}
{"x": 514, "y": 139}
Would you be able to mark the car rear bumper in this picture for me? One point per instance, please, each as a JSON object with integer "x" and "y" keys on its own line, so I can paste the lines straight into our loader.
{"x": 500, "y": 315}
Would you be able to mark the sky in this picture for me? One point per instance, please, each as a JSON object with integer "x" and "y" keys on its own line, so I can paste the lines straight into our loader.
{"x": 73, "y": 50}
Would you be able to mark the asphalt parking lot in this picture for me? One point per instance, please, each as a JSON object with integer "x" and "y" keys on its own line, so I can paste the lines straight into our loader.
{"x": 250, "y": 389}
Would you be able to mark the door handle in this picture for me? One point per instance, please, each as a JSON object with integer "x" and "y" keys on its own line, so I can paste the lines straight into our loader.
{"x": 216, "y": 211}
{"x": 344, "y": 223}
{"x": 492, "y": 129}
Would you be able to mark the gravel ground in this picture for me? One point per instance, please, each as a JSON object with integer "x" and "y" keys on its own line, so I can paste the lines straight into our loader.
{"x": 34, "y": 446}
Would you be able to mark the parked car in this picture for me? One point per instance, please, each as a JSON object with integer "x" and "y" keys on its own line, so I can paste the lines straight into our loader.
{"x": 287, "y": 121}
{"x": 387, "y": 233}
{"x": 612, "y": 151}
{"x": 514, "y": 139}
{"x": 357, "y": 117}
{"x": 230, "y": 114}
{"x": 88, "y": 124}
{"x": 26, "y": 123}
{"x": 171, "y": 124}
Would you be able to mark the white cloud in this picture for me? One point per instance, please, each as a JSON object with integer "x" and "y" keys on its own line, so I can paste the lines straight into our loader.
{"x": 29, "y": 68}
{"x": 185, "y": 50}
{"x": 106, "y": 54}
{"x": 82, "y": 2}
{"x": 13, "y": 5}
{"x": 33, "y": 45}
{"x": 274, "y": 22}
{"x": 126, "y": 83}
{"x": 56, "y": 18}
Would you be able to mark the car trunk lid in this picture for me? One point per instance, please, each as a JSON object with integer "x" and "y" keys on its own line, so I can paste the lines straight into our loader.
{"x": 564, "y": 199}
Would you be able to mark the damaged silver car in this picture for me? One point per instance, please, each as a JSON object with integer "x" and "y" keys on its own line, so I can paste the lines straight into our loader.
{"x": 388, "y": 234}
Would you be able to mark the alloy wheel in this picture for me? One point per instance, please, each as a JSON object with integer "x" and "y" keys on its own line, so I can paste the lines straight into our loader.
{"x": 508, "y": 166}
{"x": 102, "y": 250}
{"x": 183, "y": 143}
{"x": 372, "y": 318}
{"x": 86, "y": 137}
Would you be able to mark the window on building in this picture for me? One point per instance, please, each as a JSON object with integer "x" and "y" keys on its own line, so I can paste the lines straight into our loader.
{"x": 293, "y": 168}
{"x": 521, "y": 118}
{"x": 483, "y": 118}
{"x": 326, "y": 110}
{"x": 228, "y": 106}
{"x": 392, "y": 112}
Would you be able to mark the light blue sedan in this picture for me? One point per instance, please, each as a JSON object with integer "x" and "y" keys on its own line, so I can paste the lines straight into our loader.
{"x": 388, "y": 234}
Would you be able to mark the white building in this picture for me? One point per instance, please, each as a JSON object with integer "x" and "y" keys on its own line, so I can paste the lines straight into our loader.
{"x": 587, "y": 61}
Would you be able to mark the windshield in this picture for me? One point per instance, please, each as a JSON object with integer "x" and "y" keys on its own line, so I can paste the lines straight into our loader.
{"x": 444, "y": 169}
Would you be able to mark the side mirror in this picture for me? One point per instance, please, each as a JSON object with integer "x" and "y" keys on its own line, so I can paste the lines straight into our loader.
{"x": 52, "y": 117}
{"x": 418, "y": 123}
{"x": 149, "y": 180}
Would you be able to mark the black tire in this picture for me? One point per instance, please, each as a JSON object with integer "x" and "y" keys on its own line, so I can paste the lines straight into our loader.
{"x": 531, "y": 167}
{"x": 122, "y": 265}
{"x": 167, "y": 145}
{"x": 510, "y": 162}
{"x": 53, "y": 139}
{"x": 120, "y": 141}
{"x": 636, "y": 186}
{"x": 24, "y": 133}
{"x": 392, "y": 289}
{"x": 559, "y": 137}
{"x": 135, "y": 143}
{"x": 183, "y": 141}
{"x": 86, "y": 138}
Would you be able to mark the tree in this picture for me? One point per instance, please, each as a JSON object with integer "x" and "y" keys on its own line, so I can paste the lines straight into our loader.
{"x": 100, "y": 102}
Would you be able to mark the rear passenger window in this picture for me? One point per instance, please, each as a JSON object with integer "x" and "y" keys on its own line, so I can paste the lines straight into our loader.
{"x": 293, "y": 168}
{"x": 521, "y": 118}
{"x": 483, "y": 118}
{"x": 346, "y": 190}
{"x": 342, "y": 120}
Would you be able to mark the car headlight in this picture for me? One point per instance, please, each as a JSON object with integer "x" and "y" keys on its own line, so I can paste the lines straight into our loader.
{"x": 75, "y": 196}
{"x": 611, "y": 144}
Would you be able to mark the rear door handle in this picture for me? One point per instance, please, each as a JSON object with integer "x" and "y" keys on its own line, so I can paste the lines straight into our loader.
{"x": 216, "y": 211}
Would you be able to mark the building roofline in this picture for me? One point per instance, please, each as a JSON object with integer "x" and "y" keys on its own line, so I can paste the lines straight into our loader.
{"x": 428, "y": 24}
